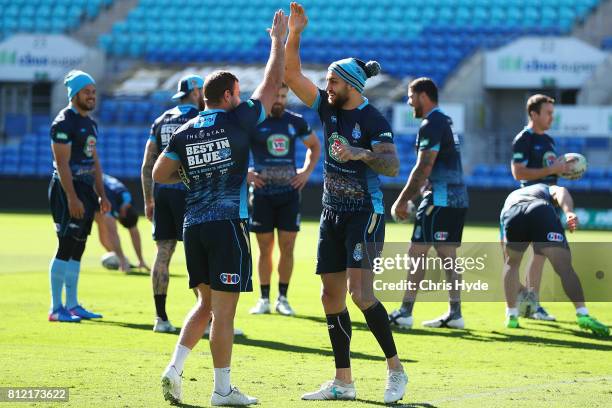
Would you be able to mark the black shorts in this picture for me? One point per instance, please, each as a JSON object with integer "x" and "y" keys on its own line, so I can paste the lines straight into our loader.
{"x": 218, "y": 254}
{"x": 168, "y": 213}
{"x": 66, "y": 226}
{"x": 536, "y": 222}
{"x": 281, "y": 211}
{"x": 438, "y": 225}
{"x": 349, "y": 240}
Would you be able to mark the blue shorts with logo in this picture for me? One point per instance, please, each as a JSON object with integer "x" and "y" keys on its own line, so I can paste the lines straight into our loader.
{"x": 280, "y": 211}
{"x": 65, "y": 225}
{"x": 535, "y": 221}
{"x": 349, "y": 240}
{"x": 218, "y": 254}
{"x": 438, "y": 225}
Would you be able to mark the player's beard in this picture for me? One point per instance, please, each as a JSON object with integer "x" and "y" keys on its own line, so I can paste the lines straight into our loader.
{"x": 418, "y": 111}
{"x": 85, "y": 104}
{"x": 339, "y": 100}
{"x": 277, "y": 110}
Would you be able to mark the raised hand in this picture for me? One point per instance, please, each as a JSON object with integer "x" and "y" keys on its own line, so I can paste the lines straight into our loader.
{"x": 297, "y": 19}
{"x": 279, "y": 26}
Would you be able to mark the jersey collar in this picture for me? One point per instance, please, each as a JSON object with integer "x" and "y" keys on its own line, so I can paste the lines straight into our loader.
{"x": 436, "y": 109}
{"x": 186, "y": 107}
{"x": 209, "y": 111}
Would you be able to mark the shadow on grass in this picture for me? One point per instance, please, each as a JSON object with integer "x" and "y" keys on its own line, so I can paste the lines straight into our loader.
{"x": 397, "y": 404}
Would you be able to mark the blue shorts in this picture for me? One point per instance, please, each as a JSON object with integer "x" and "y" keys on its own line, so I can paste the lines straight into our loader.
{"x": 66, "y": 226}
{"x": 280, "y": 211}
{"x": 349, "y": 240}
{"x": 218, "y": 254}
{"x": 536, "y": 222}
{"x": 168, "y": 213}
{"x": 438, "y": 225}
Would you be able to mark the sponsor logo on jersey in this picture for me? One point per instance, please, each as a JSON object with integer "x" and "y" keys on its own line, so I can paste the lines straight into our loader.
{"x": 333, "y": 119}
{"x": 386, "y": 134}
{"x": 208, "y": 153}
{"x": 205, "y": 121}
{"x": 291, "y": 130}
{"x": 549, "y": 158}
{"x": 278, "y": 145}
{"x": 441, "y": 236}
{"x": 90, "y": 145}
{"x": 230, "y": 278}
{"x": 358, "y": 252}
{"x": 356, "y": 131}
{"x": 336, "y": 140}
{"x": 554, "y": 237}
{"x": 61, "y": 136}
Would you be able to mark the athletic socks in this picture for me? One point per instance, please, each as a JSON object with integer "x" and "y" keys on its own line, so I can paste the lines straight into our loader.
{"x": 160, "y": 307}
{"x": 340, "y": 332}
{"x": 265, "y": 291}
{"x": 455, "y": 309}
{"x": 57, "y": 273}
{"x": 378, "y": 322}
{"x": 282, "y": 289}
{"x": 582, "y": 311}
{"x": 407, "y": 307}
{"x": 71, "y": 280}
{"x": 511, "y": 311}
{"x": 222, "y": 381}
{"x": 178, "y": 358}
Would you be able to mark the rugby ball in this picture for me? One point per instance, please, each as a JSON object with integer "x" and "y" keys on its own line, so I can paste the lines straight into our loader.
{"x": 411, "y": 208}
{"x": 578, "y": 166}
{"x": 110, "y": 260}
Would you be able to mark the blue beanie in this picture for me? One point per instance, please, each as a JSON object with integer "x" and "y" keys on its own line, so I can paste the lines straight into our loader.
{"x": 354, "y": 71}
{"x": 75, "y": 81}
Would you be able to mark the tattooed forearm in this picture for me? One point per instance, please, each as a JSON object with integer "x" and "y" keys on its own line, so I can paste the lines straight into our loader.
{"x": 419, "y": 174}
{"x": 147, "y": 171}
{"x": 383, "y": 159}
{"x": 160, "y": 274}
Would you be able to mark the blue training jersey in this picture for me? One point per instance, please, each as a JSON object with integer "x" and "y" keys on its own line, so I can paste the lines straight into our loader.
{"x": 535, "y": 151}
{"x": 351, "y": 186}
{"x": 447, "y": 186}
{"x": 117, "y": 193}
{"x": 165, "y": 125}
{"x": 81, "y": 133}
{"x": 273, "y": 149}
{"x": 213, "y": 149}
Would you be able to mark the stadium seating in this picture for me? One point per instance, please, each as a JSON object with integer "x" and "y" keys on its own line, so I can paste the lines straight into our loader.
{"x": 407, "y": 37}
{"x": 46, "y": 16}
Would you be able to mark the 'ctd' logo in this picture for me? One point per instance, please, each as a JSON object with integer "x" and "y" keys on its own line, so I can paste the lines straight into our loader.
{"x": 441, "y": 236}
{"x": 230, "y": 278}
{"x": 554, "y": 237}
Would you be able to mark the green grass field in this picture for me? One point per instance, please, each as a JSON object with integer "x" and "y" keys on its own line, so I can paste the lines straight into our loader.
{"x": 117, "y": 362}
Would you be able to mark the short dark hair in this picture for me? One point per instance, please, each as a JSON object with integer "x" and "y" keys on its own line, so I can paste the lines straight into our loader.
{"x": 217, "y": 83}
{"x": 535, "y": 102}
{"x": 131, "y": 218}
{"x": 284, "y": 86}
{"x": 426, "y": 85}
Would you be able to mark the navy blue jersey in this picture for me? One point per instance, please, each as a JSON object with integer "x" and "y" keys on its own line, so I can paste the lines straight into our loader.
{"x": 536, "y": 151}
{"x": 213, "y": 149}
{"x": 273, "y": 148}
{"x": 446, "y": 178}
{"x": 117, "y": 193}
{"x": 532, "y": 193}
{"x": 165, "y": 125}
{"x": 351, "y": 185}
{"x": 81, "y": 133}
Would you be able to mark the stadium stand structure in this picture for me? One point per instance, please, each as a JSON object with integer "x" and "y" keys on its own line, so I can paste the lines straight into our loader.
{"x": 46, "y": 16}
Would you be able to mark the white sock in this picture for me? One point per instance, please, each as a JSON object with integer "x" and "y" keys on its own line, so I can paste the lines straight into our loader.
{"x": 222, "y": 381}
{"x": 582, "y": 310}
{"x": 511, "y": 311}
{"x": 178, "y": 358}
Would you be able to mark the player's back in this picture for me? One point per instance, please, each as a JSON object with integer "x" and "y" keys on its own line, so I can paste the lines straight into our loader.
{"x": 169, "y": 121}
{"x": 214, "y": 152}
{"x": 535, "y": 193}
{"x": 446, "y": 176}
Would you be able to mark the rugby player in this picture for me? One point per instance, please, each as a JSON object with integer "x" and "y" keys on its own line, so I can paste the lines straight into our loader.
{"x": 165, "y": 203}
{"x": 76, "y": 192}
{"x": 212, "y": 154}
{"x": 441, "y": 213}
{"x": 529, "y": 216}
{"x": 358, "y": 147}
{"x": 534, "y": 160}
{"x": 122, "y": 211}
{"x": 276, "y": 196}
